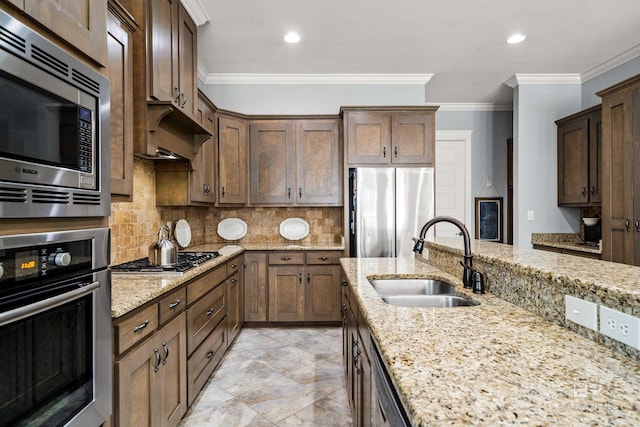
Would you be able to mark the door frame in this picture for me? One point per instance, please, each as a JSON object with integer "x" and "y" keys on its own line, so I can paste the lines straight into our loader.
{"x": 461, "y": 135}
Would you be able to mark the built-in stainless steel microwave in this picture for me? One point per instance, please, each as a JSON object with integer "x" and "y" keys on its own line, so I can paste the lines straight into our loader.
{"x": 54, "y": 129}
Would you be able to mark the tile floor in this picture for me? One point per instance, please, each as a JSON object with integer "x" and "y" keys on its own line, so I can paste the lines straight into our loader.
{"x": 276, "y": 377}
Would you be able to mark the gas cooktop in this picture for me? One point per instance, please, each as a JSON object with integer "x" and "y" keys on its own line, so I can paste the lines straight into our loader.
{"x": 186, "y": 261}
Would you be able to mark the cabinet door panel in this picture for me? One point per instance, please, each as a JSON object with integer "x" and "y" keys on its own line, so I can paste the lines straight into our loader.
{"x": 201, "y": 181}
{"x": 322, "y": 296}
{"x": 232, "y": 161}
{"x": 413, "y": 138}
{"x": 82, "y": 23}
{"x": 172, "y": 346}
{"x": 187, "y": 65}
{"x": 573, "y": 162}
{"x": 286, "y": 294}
{"x": 272, "y": 179}
{"x": 318, "y": 163}
{"x": 369, "y": 138}
{"x": 119, "y": 70}
{"x": 255, "y": 287}
{"x": 163, "y": 68}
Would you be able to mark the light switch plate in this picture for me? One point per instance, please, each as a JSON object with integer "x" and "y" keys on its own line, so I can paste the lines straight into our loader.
{"x": 620, "y": 326}
{"x": 530, "y": 215}
{"x": 582, "y": 312}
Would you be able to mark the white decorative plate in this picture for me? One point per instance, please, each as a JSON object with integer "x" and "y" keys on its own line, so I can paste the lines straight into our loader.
{"x": 294, "y": 228}
{"x": 232, "y": 229}
{"x": 182, "y": 233}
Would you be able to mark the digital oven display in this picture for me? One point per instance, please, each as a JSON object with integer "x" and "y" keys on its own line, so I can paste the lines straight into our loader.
{"x": 26, "y": 265}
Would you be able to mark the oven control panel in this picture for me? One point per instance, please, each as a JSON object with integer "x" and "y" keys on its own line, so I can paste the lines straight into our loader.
{"x": 18, "y": 265}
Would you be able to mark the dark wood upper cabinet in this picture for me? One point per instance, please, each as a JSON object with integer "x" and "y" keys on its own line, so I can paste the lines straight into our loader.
{"x": 233, "y": 148}
{"x": 119, "y": 70}
{"x": 390, "y": 135}
{"x": 579, "y": 158}
{"x": 621, "y": 172}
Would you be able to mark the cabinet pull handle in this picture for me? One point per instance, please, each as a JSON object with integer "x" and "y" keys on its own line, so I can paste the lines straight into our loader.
{"x": 584, "y": 191}
{"x": 323, "y": 258}
{"x": 384, "y": 152}
{"x": 176, "y": 97}
{"x": 209, "y": 312}
{"x": 300, "y": 278}
{"x": 166, "y": 352}
{"x": 593, "y": 190}
{"x": 156, "y": 353}
{"x": 141, "y": 327}
{"x": 234, "y": 265}
{"x": 344, "y": 283}
{"x": 174, "y": 304}
{"x": 222, "y": 191}
{"x": 637, "y": 225}
{"x": 289, "y": 192}
{"x": 300, "y": 192}
{"x": 395, "y": 151}
{"x": 308, "y": 278}
{"x": 184, "y": 100}
{"x": 209, "y": 354}
{"x": 627, "y": 224}
{"x": 233, "y": 280}
{"x": 286, "y": 258}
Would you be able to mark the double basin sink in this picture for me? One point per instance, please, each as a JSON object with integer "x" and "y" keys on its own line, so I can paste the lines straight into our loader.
{"x": 419, "y": 293}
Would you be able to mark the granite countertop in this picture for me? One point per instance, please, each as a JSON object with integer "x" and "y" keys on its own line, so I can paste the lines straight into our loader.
{"x": 494, "y": 363}
{"x": 130, "y": 291}
{"x": 564, "y": 241}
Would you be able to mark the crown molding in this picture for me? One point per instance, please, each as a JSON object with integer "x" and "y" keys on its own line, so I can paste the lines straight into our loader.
{"x": 617, "y": 60}
{"x": 315, "y": 79}
{"x": 544, "y": 79}
{"x": 474, "y": 106}
{"x": 196, "y": 11}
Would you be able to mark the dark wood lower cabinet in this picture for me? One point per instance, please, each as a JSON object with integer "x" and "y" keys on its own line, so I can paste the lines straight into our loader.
{"x": 155, "y": 375}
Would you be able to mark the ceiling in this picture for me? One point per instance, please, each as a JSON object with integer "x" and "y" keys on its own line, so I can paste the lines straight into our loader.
{"x": 461, "y": 43}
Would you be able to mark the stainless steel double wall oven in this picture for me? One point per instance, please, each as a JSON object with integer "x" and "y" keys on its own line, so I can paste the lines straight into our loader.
{"x": 55, "y": 292}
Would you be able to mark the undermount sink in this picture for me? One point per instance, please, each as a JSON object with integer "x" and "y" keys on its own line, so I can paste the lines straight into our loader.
{"x": 387, "y": 287}
{"x": 419, "y": 293}
{"x": 428, "y": 301}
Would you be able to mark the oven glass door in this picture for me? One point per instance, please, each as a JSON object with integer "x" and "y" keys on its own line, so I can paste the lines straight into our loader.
{"x": 51, "y": 358}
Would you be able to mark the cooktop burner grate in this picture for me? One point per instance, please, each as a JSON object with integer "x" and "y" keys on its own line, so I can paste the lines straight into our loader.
{"x": 186, "y": 261}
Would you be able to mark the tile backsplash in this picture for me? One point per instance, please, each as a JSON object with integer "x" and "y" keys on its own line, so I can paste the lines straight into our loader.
{"x": 135, "y": 224}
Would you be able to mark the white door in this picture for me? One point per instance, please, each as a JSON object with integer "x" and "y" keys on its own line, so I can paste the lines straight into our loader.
{"x": 453, "y": 180}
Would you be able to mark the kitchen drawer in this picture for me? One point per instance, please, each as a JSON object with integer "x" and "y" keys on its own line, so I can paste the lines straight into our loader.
{"x": 205, "y": 315}
{"x": 286, "y": 258}
{"x": 172, "y": 304}
{"x": 205, "y": 283}
{"x": 323, "y": 257}
{"x": 233, "y": 265}
{"x": 135, "y": 328}
{"x": 204, "y": 360}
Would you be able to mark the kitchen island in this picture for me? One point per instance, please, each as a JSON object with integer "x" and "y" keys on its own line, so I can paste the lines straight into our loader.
{"x": 491, "y": 364}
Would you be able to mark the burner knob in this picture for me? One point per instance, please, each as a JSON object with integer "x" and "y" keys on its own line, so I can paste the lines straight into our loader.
{"x": 60, "y": 259}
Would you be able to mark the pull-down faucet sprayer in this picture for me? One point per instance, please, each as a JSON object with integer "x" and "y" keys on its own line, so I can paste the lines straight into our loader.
{"x": 471, "y": 278}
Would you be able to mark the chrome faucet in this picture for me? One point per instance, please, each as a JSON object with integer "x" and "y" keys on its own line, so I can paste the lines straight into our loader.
{"x": 471, "y": 278}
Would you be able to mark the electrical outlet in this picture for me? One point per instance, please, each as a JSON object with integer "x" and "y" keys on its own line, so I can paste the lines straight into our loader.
{"x": 582, "y": 312}
{"x": 620, "y": 326}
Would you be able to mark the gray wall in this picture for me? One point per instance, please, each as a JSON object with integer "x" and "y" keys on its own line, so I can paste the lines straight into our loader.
{"x": 488, "y": 150}
{"x": 622, "y": 72}
{"x": 536, "y": 107}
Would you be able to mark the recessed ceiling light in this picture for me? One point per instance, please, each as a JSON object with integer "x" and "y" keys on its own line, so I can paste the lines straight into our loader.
{"x": 516, "y": 38}
{"x": 292, "y": 37}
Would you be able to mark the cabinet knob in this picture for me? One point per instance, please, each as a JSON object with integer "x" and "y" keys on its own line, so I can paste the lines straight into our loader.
{"x": 323, "y": 258}
{"x": 593, "y": 190}
{"x": 286, "y": 258}
{"x": 344, "y": 283}
{"x": 584, "y": 191}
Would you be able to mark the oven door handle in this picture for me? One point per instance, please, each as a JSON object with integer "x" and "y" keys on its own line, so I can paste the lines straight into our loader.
{"x": 47, "y": 304}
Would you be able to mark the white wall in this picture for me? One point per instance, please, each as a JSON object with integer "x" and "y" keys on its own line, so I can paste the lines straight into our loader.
{"x": 536, "y": 107}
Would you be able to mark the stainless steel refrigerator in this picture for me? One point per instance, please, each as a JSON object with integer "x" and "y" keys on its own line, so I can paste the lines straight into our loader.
{"x": 388, "y": 206}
